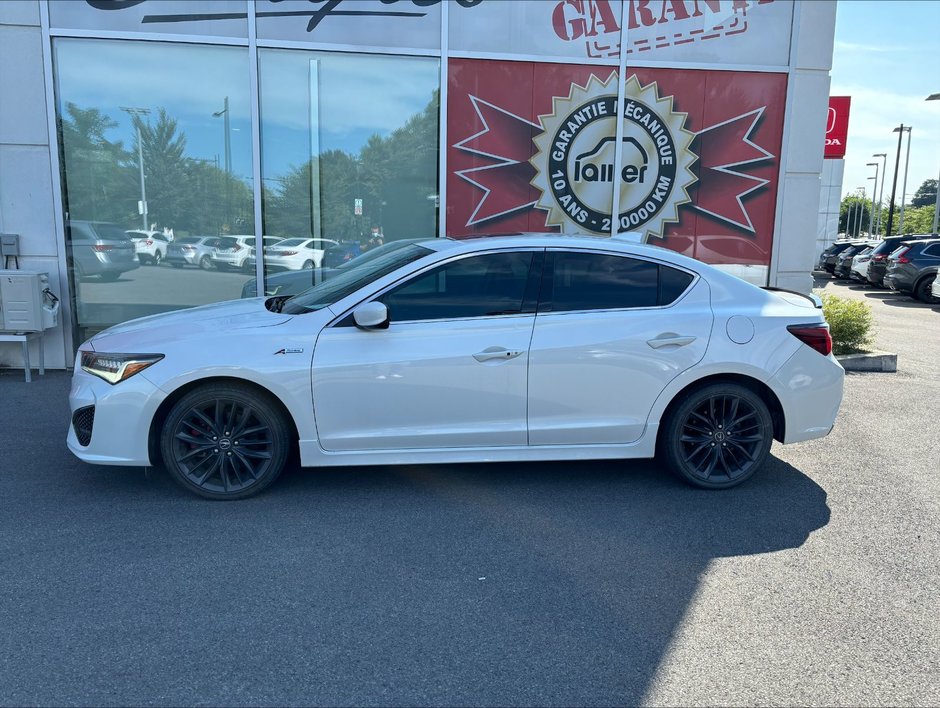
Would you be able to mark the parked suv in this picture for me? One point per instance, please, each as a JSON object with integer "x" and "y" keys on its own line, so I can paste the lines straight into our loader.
{"x": 878, "y": 264}
{"x": 238, "y": 251}
{"x": 913, "y": 267}
{"x": 843, "y": 269}
{"x": 193, "y": 250}
{"x": 99, "y": 248}
{"x": 151, "y": 245}
{"x": 827, "y": 259}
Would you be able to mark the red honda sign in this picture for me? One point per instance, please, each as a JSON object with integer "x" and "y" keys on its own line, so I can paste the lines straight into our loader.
{"x": 837, "y": 126}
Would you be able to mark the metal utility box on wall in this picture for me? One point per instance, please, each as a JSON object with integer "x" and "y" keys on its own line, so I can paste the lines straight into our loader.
{"x": 23, "y": 302}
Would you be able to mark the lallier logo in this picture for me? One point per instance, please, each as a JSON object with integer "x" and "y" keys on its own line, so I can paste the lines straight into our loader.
{"x": 572, "y": 161}
{"x": 650, "y": 24}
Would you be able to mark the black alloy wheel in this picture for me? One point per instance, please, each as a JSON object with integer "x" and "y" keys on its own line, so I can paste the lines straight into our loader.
{"x": 308, "y": 265}
{"x": 718, "y": 437}
{"x": 223, "y": 441}
{"x": 923, "y": 291}
{"x": 157, "y": 258}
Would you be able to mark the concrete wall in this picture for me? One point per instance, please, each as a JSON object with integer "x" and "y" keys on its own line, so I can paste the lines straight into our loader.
{"x": 830, "y": 200}
{"x": 26, "y": 186}
{"x": 808, "y": 105}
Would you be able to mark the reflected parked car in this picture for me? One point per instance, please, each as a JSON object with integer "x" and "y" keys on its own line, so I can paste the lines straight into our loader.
{"x": 294, "y": 282}
{"x": 194, "y": 251}
{"x": 236, "y": 252}
{"x": 913, "y": 267}
{"x": 151, "y": 245}
{"x": 99, "y": 248}
{"x": 434, "y": 353}
{"x": 297, "y": 253}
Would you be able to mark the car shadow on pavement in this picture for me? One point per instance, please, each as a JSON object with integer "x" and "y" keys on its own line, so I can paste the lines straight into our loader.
{"x": 479, "y": 584}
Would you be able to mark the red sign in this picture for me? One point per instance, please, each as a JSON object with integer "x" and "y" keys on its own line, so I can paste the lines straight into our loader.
{"x": 837, "y": 126}
{"x": 532, "y": 148}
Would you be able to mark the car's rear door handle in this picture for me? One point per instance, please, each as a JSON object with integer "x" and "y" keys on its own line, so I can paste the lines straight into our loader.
{"x": 669, "y": 339}
{"x": 491, "y": 353}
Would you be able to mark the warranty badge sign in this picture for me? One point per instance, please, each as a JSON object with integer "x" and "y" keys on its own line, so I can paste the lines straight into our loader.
{"x": 575, "y": 162}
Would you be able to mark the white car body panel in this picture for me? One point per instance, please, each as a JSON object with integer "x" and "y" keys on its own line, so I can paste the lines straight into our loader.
{"x": 414, "y": 393}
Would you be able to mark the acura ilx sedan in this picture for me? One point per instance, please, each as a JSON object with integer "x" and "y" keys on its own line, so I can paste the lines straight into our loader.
{"x": 529, "y": 347}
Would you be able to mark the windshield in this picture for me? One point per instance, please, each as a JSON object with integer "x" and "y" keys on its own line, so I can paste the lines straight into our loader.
{"x": 349, "y": 280}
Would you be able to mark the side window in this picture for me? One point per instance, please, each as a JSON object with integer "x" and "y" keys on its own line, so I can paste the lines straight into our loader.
{"x": 478, "y": 286}
{"x": 933, "y": 250}
{"x": 672, "y": 283}
{"x": 590, "y": 281}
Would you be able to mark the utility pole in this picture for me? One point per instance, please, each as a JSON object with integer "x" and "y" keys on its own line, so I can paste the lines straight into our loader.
{"x": 136, "y": 114}
{"x": 874, "y": 191}
{"x": 884, "y": 174}
{"x": 907, "y": 161}
{"x": 894, "y": 183}
{"x": 226, "y": 126}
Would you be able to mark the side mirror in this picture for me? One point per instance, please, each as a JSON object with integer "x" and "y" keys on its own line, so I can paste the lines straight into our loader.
{"x": 372, "y": 315}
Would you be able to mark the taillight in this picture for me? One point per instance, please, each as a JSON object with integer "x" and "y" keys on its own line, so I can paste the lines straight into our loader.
{"x": 815, "y": 335}
{"x": 285, "y": 253}
{"x": 236, "y": 248}
{"x": 149, "y": 243}
{"x": 102, "y": 248}
{"x": 902, "y": 258}
{"x": 879, "y": 257}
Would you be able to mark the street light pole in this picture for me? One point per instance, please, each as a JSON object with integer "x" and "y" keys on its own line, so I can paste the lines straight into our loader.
{"x": 907, "y": 161}
{"x": 136, "y": 114}
{"x": 894, "y": 183}
{"x": 226, "y": 126}
{"x": 884, "y": 174}
{"x": 936, "y": 208}
{"x": 874, "y": 191}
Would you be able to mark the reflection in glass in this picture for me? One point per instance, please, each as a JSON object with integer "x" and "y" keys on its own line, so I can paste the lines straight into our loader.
{"x": 349, "y": 151}
{"x": 156, "y": 146}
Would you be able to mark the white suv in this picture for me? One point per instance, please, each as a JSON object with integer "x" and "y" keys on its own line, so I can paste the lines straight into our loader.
{"x": 150, "y": 245}
{"x": 236, "y": 251}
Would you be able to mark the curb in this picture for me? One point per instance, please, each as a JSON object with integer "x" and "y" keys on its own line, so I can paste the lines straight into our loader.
{"x": 870, "y": 361}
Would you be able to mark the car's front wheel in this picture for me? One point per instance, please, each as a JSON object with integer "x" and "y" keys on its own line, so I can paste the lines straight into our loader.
{"x": 224, "y": 441}
{"x": 923, "y": 291}
{"x": 718, "y": 436}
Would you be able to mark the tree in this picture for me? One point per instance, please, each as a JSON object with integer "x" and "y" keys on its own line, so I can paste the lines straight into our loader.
{"x": 926, "y": 194}
{"x": 854, "y": 207}
{"x": 918, "y": 220}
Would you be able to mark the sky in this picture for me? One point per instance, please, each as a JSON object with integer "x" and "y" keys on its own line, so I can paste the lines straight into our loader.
{"x": 887, "y": 58}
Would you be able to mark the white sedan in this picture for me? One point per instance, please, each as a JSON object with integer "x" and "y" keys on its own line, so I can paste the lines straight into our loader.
{"x": 532, "y": 347}
{"x": 297, "y": 253}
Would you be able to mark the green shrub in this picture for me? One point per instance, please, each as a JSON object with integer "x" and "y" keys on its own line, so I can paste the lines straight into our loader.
{"x": 850, "y": 323}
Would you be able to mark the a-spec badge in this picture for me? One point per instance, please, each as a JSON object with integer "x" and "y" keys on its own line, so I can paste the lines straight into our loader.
{"x": 288, "y": 351}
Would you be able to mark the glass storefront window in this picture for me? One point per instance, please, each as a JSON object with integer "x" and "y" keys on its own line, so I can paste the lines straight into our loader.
{"x": 349, "y": 148}
{"x": 156, "y": 161}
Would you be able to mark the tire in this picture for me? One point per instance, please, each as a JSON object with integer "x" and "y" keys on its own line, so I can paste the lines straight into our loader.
{"x": 157, "y": 258}
{"x": 691, "y": 433}
{"x": 922, "y": 291}
{"x": 205, "y": 461}
{"x": 205, "y": 263}
{"x": 308, "y": 265}
{"x": 109, "y": 276}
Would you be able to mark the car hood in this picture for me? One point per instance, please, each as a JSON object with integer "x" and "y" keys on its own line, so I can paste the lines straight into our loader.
{"x": 197, "y": 322}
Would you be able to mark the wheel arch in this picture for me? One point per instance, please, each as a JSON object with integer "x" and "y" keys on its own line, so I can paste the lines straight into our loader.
{"x": 766, "y": 394}
{"x": 928, "y": 275}
{"x": 159, "y": 417}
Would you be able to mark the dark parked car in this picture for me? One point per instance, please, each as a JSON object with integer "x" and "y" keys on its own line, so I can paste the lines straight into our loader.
{"x": 343, "y": 253}
{"x": 843, "y": 269}
{"x": 913, "y": 268}
{"x": 879, "y": 257}
{"x": 827, "y": 260}
{"x": 99, "y": 248}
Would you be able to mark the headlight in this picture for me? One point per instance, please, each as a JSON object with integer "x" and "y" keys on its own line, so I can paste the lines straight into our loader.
{"x": 114, "y": 368}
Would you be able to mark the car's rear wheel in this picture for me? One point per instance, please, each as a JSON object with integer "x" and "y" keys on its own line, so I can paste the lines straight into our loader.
{"x": 308, "y": 265}
{"x": 224, "y": 441}
{"x": 157, "y": 258}
{"x": 923, "y": 291}
{"x": 718, "y": 436}
{"x": 205, "y": 263}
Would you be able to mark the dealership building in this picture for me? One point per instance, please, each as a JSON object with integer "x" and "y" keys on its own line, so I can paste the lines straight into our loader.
{"x": 696, "y": 125}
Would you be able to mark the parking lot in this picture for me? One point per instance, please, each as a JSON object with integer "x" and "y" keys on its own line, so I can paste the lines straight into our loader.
{"x": 591, "y": 583}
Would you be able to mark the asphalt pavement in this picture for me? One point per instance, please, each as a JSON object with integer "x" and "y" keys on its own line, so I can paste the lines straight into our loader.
{"x": 585, "y": 583}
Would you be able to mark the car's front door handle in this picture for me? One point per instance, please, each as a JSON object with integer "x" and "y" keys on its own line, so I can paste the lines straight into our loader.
{"x": 491, "y": 353}
{"x": 669, "y": 340}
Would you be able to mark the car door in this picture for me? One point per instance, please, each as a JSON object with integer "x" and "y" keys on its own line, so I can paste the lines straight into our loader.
{"x": 448, "y": 372}
{"x": 611, "y": 332}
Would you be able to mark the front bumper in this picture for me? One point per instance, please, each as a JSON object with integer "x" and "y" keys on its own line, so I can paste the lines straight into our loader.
{"x": 122, "y": 414}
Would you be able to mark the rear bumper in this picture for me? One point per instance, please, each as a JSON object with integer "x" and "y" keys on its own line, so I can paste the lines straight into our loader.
{"x": 809, "y": 387}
